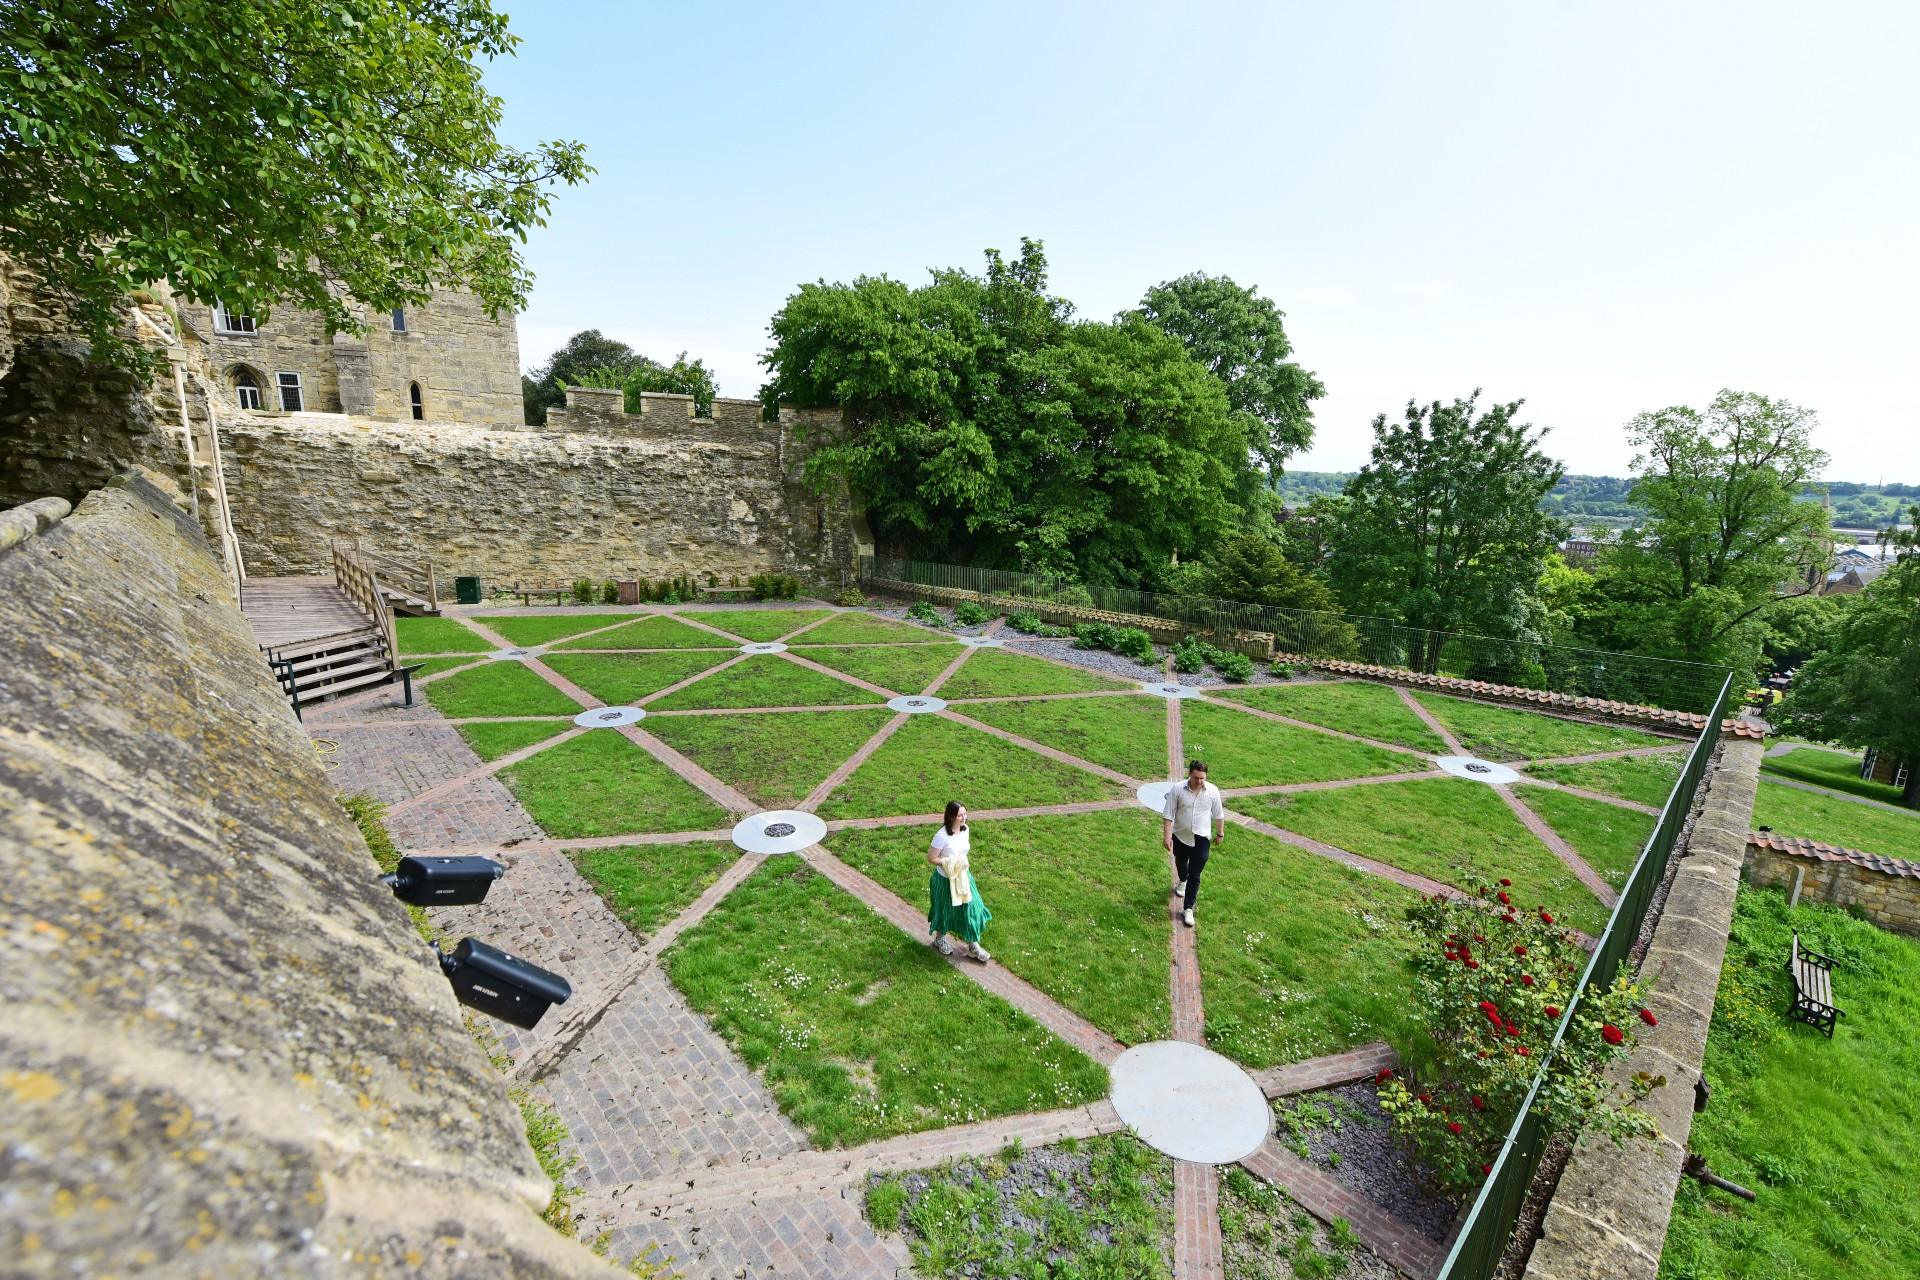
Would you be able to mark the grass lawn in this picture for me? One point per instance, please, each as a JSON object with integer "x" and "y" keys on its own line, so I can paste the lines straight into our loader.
{"x": 1080, "y": 906}
{"x": 1792, "y": 812}
{"x": 1434, "y": 827}
{"x": 503, "y": 688}
{"x": 491, "y": 739}
{"x": 777, "y": 759}
{"x": 1352, "y": 706}
{"x": 654, "y": 632}
{"x": 1829, "y": 769}
{"x": 1299, "y": 956}
{"x": 995, "y": 673}
{"x": 766, "y": 680}
{"x": 1607, "y": 837}
{"x": 1507, "y": 733}
{"x": 438, "y": 635}
{"x": 932, "y": 760}
{"x": 531, "y": 629}
{"x": 434, "y": 666}
{"x": 1127, "y": 734}
{"x": 1824, "y": 1130}
{"x": 599, "y": 784}
{"x": 859, "y": 1031}
{"x": 865, "y": 628}
{"x": 1102, "y": 1207}
{"x": 649, "y": 884}
{"x": 621, "y": 679}
{"x": 903, "y": 668}
{"x": 758, "y": 625}
{"x": 1243, "y": 750}
{"x": 1645, "y": 779}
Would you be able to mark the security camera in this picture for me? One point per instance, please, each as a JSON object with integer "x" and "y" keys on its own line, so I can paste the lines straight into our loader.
{"x": 443, "y": 882}
{"x": 501, "y": 985}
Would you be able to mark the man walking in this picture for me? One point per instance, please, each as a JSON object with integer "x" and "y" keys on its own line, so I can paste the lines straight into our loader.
{"x": 1193, "y": 810}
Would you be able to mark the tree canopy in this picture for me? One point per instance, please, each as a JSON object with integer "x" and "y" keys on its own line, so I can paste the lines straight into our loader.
{"x": 321, "y": 153}
{"x": 591, "y": 359}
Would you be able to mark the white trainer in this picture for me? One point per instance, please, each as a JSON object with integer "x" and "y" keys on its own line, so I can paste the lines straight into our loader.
{"x": 1187, "y": 916}
{"x": 980, "y": 953}
{"x": 1179, "y": 888}
{"x": 944, "y": 947}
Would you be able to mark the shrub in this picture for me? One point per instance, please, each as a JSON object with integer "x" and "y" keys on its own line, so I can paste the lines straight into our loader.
{"x": 773, "y": 586}
{"x": 583, "y": 591}
{"x": 1027, "y": 622}
{"x": 1284, "y": 670}
{"x": 609, "y": 592}
{"x": 671, "y": 597}
{"x": 969, "y": 614}
{"x": 850, "y": 598}
{"x": 1130, "y": 642}
{"x": 921, "y": 611}
{"x": 1237, "y": 667}
{"x": 1093, "y": 635}
{"x": 1492, "y": 981}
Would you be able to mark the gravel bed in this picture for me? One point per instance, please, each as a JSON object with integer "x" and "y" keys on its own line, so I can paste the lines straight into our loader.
{"x": 1371, "y": 1162}
{"x": 1262, "y": 1228}
{"x": 1104, "y": 661}
{"x": 898, "y": 613}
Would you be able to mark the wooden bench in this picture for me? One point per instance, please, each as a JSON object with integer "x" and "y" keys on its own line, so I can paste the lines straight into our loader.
{"x": 1813, "y": 988}
{"x": 526, "y": 593}
{"x": 726, "y": 591}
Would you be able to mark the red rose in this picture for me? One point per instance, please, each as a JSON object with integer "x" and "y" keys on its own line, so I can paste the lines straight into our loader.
{"x": 1505, "y": 901}
{"x": 1386, "y": 1074}
{"x": 1553, "y": 1011}
{"x": 1526, "y": 979}
{"x": 1479, "y": 937}
{"x": 1425, "y": 1098}
{"x": 1512, "y": 1030}
{"x": 1546, "y": 917}
{"x": 1479, "y": 1103}
{"x": 1520, "y": 951}
{"x": 1483, "y": 1053}
{"x": 1646, "y": 1016}
{"x": 1472, "y": 963}
{"x": 1522, "y": 1051}
{"x": 1612, "y": 1034}
{"x": 1452, "y": 954}
{"x": 1505, "y": 883}
{"x": 1486, "y": 1168}
{"x": 1455, "y": 1127}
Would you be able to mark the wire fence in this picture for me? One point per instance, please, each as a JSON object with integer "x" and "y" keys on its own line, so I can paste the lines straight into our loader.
{"x": 1591, "y": 673}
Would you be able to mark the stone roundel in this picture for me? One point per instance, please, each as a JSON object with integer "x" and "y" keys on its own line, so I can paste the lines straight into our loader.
{"x": 1475, "y": 769}
{"x": 917, "y": 704}
{"x": 1169, "y": 689}
{"x": 1190, "y": 1102}
{"x": 1154, "y": 795}
{"x": 764, "y": 646}
{"x": 982, "y": 642}
{"x": 778, "y": 831}
{"x": 516, "y": 655}
{"x": 609, "y": 717}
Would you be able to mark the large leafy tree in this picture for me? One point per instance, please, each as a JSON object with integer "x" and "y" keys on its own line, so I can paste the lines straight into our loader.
{"x": 984, "y": 425}
{"x": 1443, "y": 528}
{"x": 591, "y": 359}
{"x": 316, "y": 152}
{"x": 1252, "y": 568}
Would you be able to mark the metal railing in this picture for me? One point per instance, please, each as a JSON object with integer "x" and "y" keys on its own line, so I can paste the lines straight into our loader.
{"x": 1489, "y": 1225}
{"x": 1593, "y": 673}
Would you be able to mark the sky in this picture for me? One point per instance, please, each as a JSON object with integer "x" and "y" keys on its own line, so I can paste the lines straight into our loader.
{"x": 1598, "y": 208}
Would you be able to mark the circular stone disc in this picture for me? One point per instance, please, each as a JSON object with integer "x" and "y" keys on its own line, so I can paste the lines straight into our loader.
{"x": 1169, "y": 689}
{"x": 765, "y": 646}
{"x": 1475, "y": 769}
{"x": 916, "y": 704}
{"x": 778, "y": 831}
{"x": 608, "y": 717}
{"x": 1190, "y": 1102}
{"x": 982, "y": 642}
{"x": 515, "y": 654}
{"x": 1154, "y": 795}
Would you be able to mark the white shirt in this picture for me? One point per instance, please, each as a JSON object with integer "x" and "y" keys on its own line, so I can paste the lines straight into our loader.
{"x": 1193, "y": 813}
{"x": 958, "y": 842}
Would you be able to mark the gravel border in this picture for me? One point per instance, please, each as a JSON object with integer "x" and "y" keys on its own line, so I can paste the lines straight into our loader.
{"x": 1371, "y": 1161}
{"x": 1246, "y": 1260}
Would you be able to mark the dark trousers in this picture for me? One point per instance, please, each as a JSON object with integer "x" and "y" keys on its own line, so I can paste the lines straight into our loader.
{"x": 1189, "y": 860}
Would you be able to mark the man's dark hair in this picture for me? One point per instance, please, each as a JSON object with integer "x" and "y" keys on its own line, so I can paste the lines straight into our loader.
{"x": 1201, "y": 765}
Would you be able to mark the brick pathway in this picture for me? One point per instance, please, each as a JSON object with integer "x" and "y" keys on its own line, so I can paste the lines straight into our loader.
{"x": 1432, "y": 721}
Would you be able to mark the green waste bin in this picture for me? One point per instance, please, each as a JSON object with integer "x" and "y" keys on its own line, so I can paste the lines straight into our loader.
{"x": 466, "y": 591}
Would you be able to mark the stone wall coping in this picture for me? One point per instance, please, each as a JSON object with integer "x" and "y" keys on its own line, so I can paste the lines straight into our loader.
{"x": 30, "y": 519}
{"x": 1820, "y": 851}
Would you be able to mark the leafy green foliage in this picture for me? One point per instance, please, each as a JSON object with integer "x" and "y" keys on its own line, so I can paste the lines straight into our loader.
{"x": 1028, "y": 622}
{"x": 1237, "y": 667}
{"x": 773, "y": 586}
{"x": 591, "y": 359}
{"x": 1836, "y": 770}
{"x": 969, "y": 614}
{"x": 370, "y": 815}
{"x": 1128, "y": 642}
{"x": 1253, "y": 569}
{"x": 925, "y": 614}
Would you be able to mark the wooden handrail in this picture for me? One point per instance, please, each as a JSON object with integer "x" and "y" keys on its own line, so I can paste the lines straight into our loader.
{"x": 357, "y": 579}
{"x": 419, "y": 578}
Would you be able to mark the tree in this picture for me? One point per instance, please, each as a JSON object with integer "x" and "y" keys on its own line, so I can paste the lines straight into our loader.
{"x": 1864, "y": 690}
{"x": 588, "y": 353}
{"x": 1800, "y": 627}
{"x": 1251, "y": 568}
{"x": 683, "y": 377}
{"x": 1443, "y": 528}
{"x": 1239, "y": 337}
{"x": 325, "y": 153}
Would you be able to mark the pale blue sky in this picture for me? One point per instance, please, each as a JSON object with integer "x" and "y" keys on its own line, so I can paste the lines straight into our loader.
{"x": 1601, "y": 208}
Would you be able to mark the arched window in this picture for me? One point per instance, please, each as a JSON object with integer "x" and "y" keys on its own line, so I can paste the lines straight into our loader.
{"x": 246, "y": 389}
{"x": 419, "y": 406}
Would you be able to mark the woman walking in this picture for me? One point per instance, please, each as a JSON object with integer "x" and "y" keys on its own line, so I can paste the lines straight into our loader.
{"x": 956, "y": 906}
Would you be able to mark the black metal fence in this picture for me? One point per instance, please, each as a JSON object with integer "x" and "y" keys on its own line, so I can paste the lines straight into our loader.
{"x": 1592, "y": 673}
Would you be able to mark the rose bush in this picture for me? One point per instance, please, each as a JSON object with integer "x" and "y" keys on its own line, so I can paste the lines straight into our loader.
{"x": 1493, "y": 982}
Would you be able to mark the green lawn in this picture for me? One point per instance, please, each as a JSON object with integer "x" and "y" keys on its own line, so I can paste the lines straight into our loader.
{"x": 1125, "y": 734}
{"x": 1299, "y": 956}
{"x": 434, "y": 666}
{"x": 996, "y": 673}
{"x": 1792, "y": 812}
{"x": 864, "y": 628}
{"x": 599, "y": 784}
{"x": 503, "y": 688}
{"x": 530, "y": 629}
{"x": 1646, "y": 779}
{"x": 1608, "y": 838}
{"x": 1080, "y": 906}
{"x": 438, "y": 635}
{"x": 902, "y": 668}
{"x": 622, "y": 679}
{"x": 759, "y": 625}
{"x": 1508, "y": 733}
{"x": 1824, "y": 1130}
{"x": 932, "y": 760}
{"x": 860, "y": 1031}
{"x": 491, "y": 739}
{"x": 766, "y": 680}
{"x": 1434, "y": 827}
{"x": 652, "y": 632}
{"x": 1829, "y": 769}
{"x": 649, "y": 884}
{"x": 1244, "y": 750}
{"x": 1351, "y": 706}
{"x": 777, "y": 759}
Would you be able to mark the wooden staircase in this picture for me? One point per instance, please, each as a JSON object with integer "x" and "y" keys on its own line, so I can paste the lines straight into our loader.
{"x": 323, "y": 637}
{"x": 411, "y": 587}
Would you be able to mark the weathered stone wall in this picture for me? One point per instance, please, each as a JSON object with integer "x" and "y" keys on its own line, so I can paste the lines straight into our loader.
{"x": 288, "y": 340}
{"x": 1884, "y": 890}
{"x": 225, "y": 1051}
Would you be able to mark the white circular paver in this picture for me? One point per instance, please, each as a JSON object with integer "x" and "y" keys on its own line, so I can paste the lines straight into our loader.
{"x": 1169, "y": 689}
{"x": 1154, "y": 795}
{"x": 764, "y": 646}
{"x": 609, "y": 717}
{"x": 916, "y": 704}
{"x": 513, "y": 654}
{"x": 982, "y": 642}
{"x": 1189, "y": 1102}
{"x": 778, "y": 831}
{"x": 1475, "y": 769}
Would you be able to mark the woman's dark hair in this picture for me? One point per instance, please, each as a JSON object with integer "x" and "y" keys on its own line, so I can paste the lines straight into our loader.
{"x": 953, "y": 811}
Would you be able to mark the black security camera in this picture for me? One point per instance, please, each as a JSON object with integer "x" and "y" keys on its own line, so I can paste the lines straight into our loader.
{"x": 502, "y": 986}
{"x": 443, "y": 882}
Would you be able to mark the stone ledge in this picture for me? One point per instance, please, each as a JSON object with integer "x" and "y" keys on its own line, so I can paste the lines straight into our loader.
{"x": 31, "y": 519}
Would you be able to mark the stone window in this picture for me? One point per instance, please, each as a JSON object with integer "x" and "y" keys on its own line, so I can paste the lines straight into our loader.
{"x": 289, "y": 391}
{"x": 419, "y": 405}
{"x": 399, "y": 319}
{"x": 225, "y": 321}
{"x": 246, "y": 389}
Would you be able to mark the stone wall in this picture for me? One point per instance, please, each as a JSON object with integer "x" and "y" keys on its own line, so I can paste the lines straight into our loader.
{"x": 225, "y": 1050}
{"x": 1884, "y": 890}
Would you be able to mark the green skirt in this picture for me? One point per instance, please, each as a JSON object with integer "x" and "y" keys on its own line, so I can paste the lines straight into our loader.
{"x": 966, "y": 922}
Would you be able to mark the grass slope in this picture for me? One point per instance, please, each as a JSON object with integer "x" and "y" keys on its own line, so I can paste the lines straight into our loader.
{"x": 766, "y": 680}
{"x": 1507, "y": 733}
{"x": 1079, "y": 903}
{"x": 438, "y": 635}
{"x": 1351, "y": 706}
{"x": 1792, "y": 812}
{"x": 599, "y": 784}
{"x": 434, "y": 666}
{"x": 1645, "y": 779}
{"x": 777, "y": 759}
{"x": 864, "y": 628}
{"x": 1244, "y": 750}
{"x": 649, "y": 884}
{"x": 860, "y": 1032}
{"x": 498, "y": 689}
{"x": 621, "y": 679}
{"x": 544, "y": 628}
{"x": 995, "y": 673}
{"x": 655, "y": 632}
{"x": 902, "y": 668}
{"x": 1829, "y": 769}
{"x": 492, "y": 739}
{"x": 932, "y": 760}
{"x": 1127, "y": 734}
{"x": 1607, "y": 837}
{"x": 759, "y": 625}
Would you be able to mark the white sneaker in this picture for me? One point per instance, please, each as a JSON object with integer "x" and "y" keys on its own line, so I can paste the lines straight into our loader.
{"x": 944, "y": 947}
{"x": 1187, "y": 916}
{"x": 1179, "y": 888}
{"x": 980, "y": 953}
